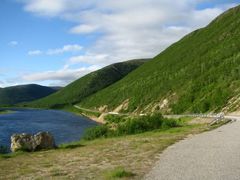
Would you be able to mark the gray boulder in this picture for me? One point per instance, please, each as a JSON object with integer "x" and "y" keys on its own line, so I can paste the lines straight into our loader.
{"x": 22, "y": 142}
{"x": 28, "y": 142}
{"x": 44, "y": 140}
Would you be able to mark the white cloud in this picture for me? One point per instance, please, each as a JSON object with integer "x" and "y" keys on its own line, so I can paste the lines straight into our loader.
{"x": 2, "y": 84}
{"x": 129, "y": 28}
{"x": 44, "y": 7}
{"x": 89, "y": 58}
{"x": 51, "y": 8}
{"x": 63, "y": 76}
{"x": 66, "y": 48}
{"x": 201, "y": 18}
{"x": 83, "y": 29}
{"x": 13, "y": 43}
{"x": 34, "y": 52}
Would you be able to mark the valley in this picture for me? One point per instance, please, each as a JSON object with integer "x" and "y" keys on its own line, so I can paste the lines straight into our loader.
{"x": 174, "y": 115}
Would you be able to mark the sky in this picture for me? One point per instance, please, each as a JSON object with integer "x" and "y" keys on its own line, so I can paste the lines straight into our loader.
{"x": 55, "y": 42}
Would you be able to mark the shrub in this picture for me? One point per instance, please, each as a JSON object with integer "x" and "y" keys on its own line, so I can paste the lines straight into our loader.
{"x": 110, "y": 118}
{"x": 132, "y": 126}
{"x": 145, "y": 123}
{"x": 96, "y": 132}
{"x": 169, "y": 123}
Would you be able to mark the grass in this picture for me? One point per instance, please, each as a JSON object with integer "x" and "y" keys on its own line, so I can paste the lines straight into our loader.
{"x": 70, "y": 145}
{"x": 5, "y": 112}
{"x": 93, "y": 159}
{"x": 118, "y": 173}
{"x": 81, "y": 112}
{"x": 11, "y": 155}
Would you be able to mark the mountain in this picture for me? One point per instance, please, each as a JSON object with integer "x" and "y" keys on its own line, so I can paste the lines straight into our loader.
{"x": 199, "y": 73}
{"x": 24, "y": 93}
{"x": 88, "y": 85}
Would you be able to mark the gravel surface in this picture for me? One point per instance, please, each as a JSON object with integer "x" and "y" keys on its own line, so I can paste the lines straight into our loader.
{"x": 213, "y": 155}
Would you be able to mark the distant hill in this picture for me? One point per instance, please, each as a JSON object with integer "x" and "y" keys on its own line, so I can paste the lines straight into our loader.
{"x": 88, "y": 85}
{"x": 200, "y": 73}
{"x": 24, "y": 93}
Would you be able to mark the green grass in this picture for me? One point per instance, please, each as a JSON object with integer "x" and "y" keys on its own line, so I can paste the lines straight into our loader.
{"x": 199, "y": 73}
{"x": 82, "y": 111}
{"x": 11, "y": 155}
{"x": 5, "y": 112}
{"x": 118, "y": 173}
{"x": 71, "y": 145}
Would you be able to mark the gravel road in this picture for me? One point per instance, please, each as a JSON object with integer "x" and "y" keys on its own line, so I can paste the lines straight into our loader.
{"x": 213, "y": 155}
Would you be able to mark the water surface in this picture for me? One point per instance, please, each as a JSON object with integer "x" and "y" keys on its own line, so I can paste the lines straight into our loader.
{"x": 64, "y": 126}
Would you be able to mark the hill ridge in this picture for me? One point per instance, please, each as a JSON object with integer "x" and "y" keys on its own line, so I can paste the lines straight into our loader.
{"x": 24, "y": 93}
{"x": 88, "y": 84}
{"x": 199, "y": 73}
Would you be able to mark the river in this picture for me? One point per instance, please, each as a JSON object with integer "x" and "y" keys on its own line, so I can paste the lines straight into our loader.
{"x": 65, "y": 127}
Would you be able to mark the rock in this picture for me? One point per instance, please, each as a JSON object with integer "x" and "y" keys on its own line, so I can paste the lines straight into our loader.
{"x": 22, "y": 142}
{"x": 28, "y": 142}
{"x": 44, "y": 140}
{"x": 103, "y": 109}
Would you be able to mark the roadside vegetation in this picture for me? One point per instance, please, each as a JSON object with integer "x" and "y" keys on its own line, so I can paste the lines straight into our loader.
{"x": 121, "y": 125}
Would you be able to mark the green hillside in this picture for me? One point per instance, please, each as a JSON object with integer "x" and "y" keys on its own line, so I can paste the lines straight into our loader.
{"x": 24, "y": 93}
{"x": 199, "y": 73}
{"x": 88, "y": 85}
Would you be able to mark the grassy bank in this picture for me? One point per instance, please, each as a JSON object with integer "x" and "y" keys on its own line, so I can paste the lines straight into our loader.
{"x": 81, "y": 112}
{"x": 105, "y": 158}
{"x": 5, "y": 112}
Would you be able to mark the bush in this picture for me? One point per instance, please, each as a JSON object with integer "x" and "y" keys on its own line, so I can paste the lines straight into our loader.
{"x": 110, "y": 118}
{"x": 96, "y": 132}
{"x": 169, "y": 123}
{"x": 132, "y": 126}
{"x": 145, "y": 123}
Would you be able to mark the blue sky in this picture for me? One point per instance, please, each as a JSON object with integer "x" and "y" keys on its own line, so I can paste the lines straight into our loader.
{"x": 55, "y": 42}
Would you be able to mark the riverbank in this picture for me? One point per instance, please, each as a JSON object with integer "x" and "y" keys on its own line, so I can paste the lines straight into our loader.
{"x": 64, "y": 126}
{"x": 6, "y": 112}
{"x": 97, "y": 117}
{"x": 94, "y": 159}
